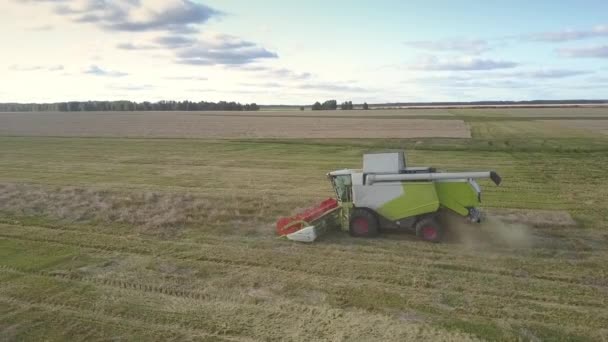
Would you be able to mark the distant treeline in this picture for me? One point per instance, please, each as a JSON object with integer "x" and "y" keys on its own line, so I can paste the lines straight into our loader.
{"x": 92, "y": 106}
{"x": 327, "y": 105}
{"x": 493, "y": 103}
{"x": 333, "y": 105}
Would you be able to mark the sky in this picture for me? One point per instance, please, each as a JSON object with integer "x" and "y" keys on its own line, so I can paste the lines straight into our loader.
{"x": 298, "y": 52}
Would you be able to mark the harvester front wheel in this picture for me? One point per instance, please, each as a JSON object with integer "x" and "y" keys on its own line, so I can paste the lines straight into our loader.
{"x": 363, "y": 223}
{"x": 429, "y": 229}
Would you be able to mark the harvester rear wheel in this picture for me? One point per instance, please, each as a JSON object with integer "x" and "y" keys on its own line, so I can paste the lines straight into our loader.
{"x": 429, "y": 229}
{"x": 363, "y": 223}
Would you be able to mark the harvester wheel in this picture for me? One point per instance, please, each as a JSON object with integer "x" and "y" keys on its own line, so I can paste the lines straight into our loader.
{"x": 429, "y": 229}
{"x": 363, "y": 223}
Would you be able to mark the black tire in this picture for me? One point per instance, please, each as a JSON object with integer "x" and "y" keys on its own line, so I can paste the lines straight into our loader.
{"x": 363, "y": 223}
{"x": 429, "y": 229}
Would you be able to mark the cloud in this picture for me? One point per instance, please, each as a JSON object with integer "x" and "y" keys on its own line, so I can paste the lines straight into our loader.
{"x": 552, "y": 73}
{"x": 496, "y": 79}
{"x": 509, "y": 84}
{"x": 282, "y": 73}
{"x": 472, "y": 80}
{"x": 175, "y": 41}
{"x": 290, "y": 74}
{"x": 569, "y": 35}
{"x": 263, "y": 85}
{"x": 440, "y": 78}
{"x": 222, "y": 50}
{"x": 41, "y": 28}
{"x": 585, "y": 52}
{"x": 203, "y": 90}
{"x": 472, "y": 46}
{"x": 331, "y": 87}
{"x": 462, "y": 64}
{"x": 97, "y": 71}
{"x": 16, "y": 67}
{"x": 187, "y": 78}
{"x": 139, "y": 87}
{"x": 255, "y": 68}
{"x": 598, "y": 79}
{"x": 166, "y": 42}
{"x": 131, "y": 46}
{"x": 178, "y": 21}
{"x": 138, "y": 15}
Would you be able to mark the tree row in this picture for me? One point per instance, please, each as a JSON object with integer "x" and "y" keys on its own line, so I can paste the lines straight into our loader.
{"x": 91, "y": 106}
{"x": 333, "y": 105}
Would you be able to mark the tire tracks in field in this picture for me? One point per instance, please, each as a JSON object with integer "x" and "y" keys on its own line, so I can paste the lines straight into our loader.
{"x": 178, "y": 325}
{"x": 176, "y": 249}
{"x": 285, "y": 309}
{"x": 334, "y": 251}
{"x": 395, "y": 287}
{"x": 83, "y": 314}
{"x": 264, "y": 244}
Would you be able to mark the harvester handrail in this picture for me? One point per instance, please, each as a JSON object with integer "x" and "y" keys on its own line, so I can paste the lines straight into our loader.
{"x": 373, "y": 178}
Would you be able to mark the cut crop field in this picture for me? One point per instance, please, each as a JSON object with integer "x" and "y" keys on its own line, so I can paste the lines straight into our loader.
{"x": 557, "y": 112}
{"x": 223, "y": 125}
{"x": 597, "y": 126}
{"x": 106, "y": 238}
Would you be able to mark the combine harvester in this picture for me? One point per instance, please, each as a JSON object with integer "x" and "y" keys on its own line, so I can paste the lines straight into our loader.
{"x": 387, "y": 194}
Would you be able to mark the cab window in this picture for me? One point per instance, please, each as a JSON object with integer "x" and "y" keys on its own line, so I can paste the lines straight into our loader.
{"x": 343, "y": 186}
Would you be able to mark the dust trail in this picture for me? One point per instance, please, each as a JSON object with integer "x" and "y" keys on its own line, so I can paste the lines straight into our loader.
{"x": 491, "y": 232}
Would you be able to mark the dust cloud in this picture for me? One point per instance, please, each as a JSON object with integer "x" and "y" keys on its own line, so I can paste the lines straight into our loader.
{"x": 491, "y": 232}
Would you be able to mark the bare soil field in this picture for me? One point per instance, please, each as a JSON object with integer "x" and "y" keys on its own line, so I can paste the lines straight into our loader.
{"x": 224, "y": 125}
{"x": 405, "y": 112}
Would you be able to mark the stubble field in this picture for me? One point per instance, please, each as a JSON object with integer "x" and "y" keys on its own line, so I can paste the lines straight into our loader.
{"x": 136, "y": 238}
{"x": 223, "y": 125}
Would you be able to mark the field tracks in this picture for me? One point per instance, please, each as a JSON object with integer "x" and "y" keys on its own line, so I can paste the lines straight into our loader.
{"x": 247, "y": 256}
{"x": 251, "y": 259}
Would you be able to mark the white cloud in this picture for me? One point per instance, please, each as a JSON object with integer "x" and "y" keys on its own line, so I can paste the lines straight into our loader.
{"x": 330, "y": 87}
{"x": 131, "y": 46}
{"x": 222, "y": 49}
{"x": 569, "y": 34}
{"x": 16, "y": 67}
{"x": 470, "y": 46}
{"x": 132, "y": 87}
{"x": 552, "y": 73}
{"x": 187, "y": 78}
{"x": 433, "y": 63}
{"x": 585, "y": 52}
{"x": 263, "y": 85}
{"x": 280, "y": 73}
{"x": 179, "y": 23}
{"x": 138, "y": 15}
{"x": 97, "y": 71}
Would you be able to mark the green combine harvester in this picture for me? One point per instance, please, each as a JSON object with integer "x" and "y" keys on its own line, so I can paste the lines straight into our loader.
{"x": 386, "y": 194}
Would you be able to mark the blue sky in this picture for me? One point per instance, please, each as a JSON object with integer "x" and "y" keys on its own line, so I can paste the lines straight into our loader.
{"x": 297, "y": 52}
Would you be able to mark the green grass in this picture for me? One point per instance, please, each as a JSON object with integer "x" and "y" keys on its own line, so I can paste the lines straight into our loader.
{"x": 172, "y": 239}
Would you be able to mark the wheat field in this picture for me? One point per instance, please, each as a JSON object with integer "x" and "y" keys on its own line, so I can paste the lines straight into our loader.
{"x": 105, "y": 238}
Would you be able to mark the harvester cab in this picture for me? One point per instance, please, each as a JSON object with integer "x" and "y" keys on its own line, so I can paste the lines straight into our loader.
{"x": 387, "y": 194}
